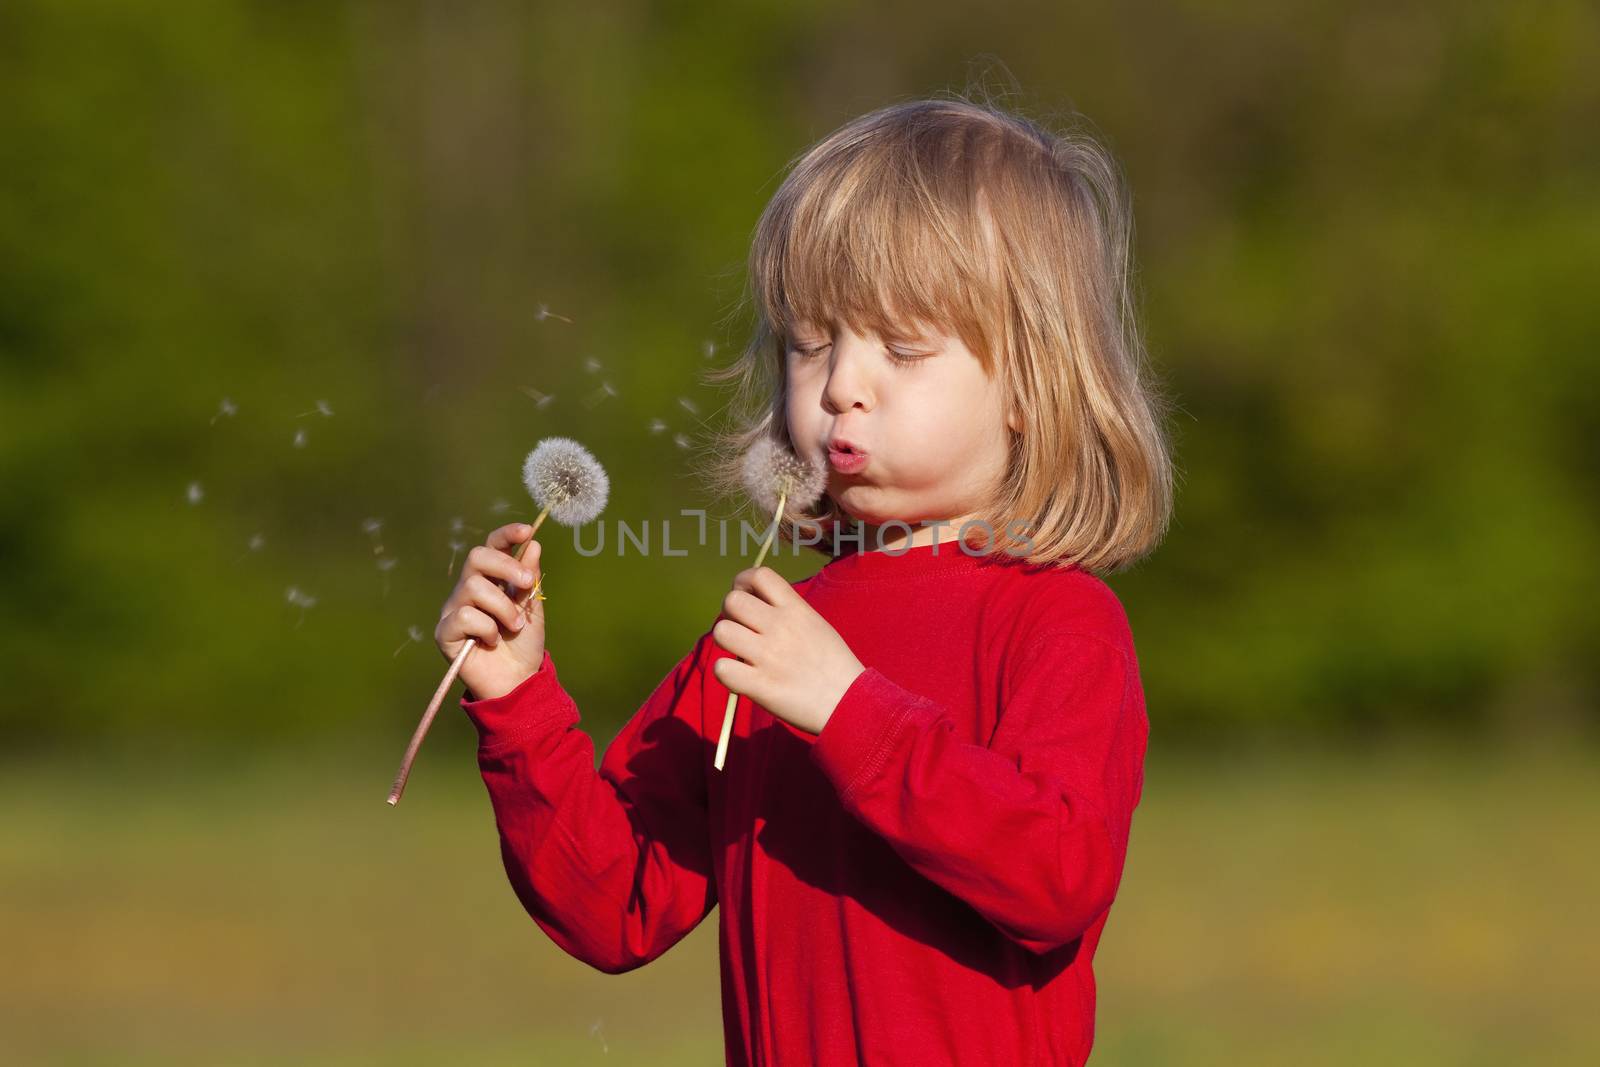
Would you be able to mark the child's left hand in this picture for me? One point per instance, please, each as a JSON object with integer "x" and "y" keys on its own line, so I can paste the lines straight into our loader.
{"x": 794, "y": 663}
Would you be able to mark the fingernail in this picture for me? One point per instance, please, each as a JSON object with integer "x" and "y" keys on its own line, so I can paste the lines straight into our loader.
{"x": 526, "y": 577}
{"x": 518, "y": 624}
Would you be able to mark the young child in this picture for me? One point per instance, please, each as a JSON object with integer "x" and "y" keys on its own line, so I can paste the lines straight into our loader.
{"x": 925, "y": 808}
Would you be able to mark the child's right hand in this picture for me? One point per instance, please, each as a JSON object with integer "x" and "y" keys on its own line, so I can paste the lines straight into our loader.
{"x": 510, "y": 639}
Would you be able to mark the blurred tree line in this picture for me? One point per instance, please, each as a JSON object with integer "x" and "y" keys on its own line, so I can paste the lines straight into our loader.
{"x": 271, "y": 271}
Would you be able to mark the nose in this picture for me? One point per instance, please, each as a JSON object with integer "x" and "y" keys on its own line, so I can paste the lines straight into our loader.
{"x": 848, "y": 385}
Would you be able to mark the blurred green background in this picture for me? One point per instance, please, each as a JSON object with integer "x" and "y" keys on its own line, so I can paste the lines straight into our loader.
{"x": 287, "y": 291}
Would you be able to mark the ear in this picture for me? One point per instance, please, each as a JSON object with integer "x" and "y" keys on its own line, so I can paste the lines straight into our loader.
{"x": 1014, "y": 420}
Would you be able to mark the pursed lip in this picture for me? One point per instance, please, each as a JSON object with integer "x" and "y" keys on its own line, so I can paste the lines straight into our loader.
{"x": 840, "y": 444}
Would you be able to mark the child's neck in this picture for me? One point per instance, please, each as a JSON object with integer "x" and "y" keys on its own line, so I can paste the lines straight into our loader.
{"x": 895, "y": 538}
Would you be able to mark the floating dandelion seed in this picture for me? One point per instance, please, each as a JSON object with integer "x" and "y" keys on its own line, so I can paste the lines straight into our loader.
{"x": 774, "y": 477}
{"x": 255, "y": 544}
{"x": 545, "y": 313}
{"x": 455, "y": 550}
{"x": 373, "y": 528}
{"x": 710, "y": 349}
{"x": 225, "y": 408}
{"x": 500, "y": 506}
{"x": 322, "y": 409}
{"x": 657, "y": 426}
{"x": 300, "y": 600}
{"x": 606, "y": 390}
{"x": 570, "y": 486}
{"x": 385, "y": 565}
{"x": 594, "y": 1031}
{"x": 194, "y": 494}
{"x": 413, "y": 636}
{"x": 300, "y": 439}
{"x": 540, "y": 400}
{"x": 688, "y": 405}
{"x": 682, "y": 441}
{"x": 591, "y": 365}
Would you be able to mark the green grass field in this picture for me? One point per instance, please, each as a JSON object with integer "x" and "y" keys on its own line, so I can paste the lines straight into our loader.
{"x": 1400, "y": 908}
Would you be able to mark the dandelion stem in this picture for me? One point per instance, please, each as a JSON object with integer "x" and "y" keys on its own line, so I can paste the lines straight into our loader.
{"x": 733, "y": 698}
{"x": 467, "y": 646}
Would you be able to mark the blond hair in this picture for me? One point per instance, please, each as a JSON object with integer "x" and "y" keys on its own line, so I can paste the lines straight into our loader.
{"x": 1014, "y": 239}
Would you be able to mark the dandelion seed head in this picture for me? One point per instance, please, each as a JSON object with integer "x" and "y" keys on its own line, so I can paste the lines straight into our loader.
{"x": 562, "y": 475}
{"x": 772, "y": 470}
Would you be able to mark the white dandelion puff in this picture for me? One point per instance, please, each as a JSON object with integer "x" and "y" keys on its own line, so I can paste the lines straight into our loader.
{"x": 772, "y": 472}
{"x": 194, "y": 494}
{"x": 455, "y": 550}
{"x": 566, "y": 480}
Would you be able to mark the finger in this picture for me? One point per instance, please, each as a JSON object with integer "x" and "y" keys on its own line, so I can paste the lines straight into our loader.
{"x": 471, "y": 622}
{"x": 519, "y": 574}
{"x": 745, "y": 607}
{"x": 737, "y": 639}
{"x": 490, "y": 598}
{"x": 506, "y": 537}
{"x": 734, "y": 674}
{"x": 764, "y": 582}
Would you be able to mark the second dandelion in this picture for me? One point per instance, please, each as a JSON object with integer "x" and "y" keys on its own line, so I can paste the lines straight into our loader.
{"x": 775, "y": 478}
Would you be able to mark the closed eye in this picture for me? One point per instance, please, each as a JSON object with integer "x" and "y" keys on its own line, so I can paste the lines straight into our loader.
{"x": 895, "y": 354}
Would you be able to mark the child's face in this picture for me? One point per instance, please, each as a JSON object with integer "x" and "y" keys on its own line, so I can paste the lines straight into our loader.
{"x": 933, "y": 425}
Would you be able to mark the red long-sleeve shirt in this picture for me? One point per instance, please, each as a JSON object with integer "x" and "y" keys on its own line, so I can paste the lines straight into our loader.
{"x": 923, "y": 882}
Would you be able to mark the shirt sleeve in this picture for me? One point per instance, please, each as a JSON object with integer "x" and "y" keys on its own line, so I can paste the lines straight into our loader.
{"x": 613, "y": 863}
{"x": 1030, "y": 830}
